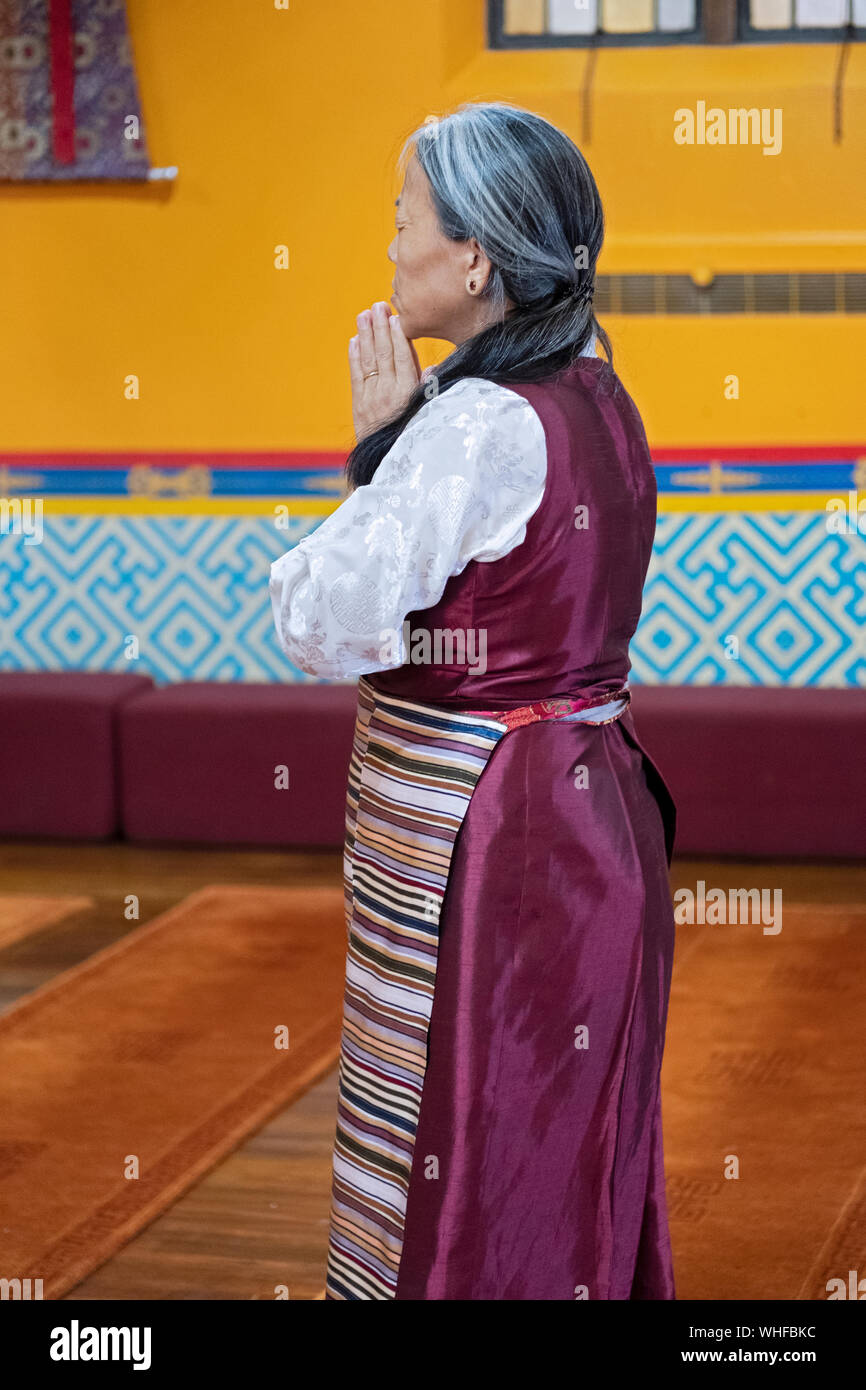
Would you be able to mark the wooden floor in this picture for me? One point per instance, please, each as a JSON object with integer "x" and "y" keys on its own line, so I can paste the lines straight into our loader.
{"x": 259, "y": 1220}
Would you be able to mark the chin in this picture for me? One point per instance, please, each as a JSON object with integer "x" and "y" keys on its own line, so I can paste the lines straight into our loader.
{"x": 407, "y": 324}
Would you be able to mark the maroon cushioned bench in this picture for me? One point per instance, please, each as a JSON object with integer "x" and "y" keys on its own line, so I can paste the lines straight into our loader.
{"x": 757, "y": 771}
{"x": 58, "y": 757}
{"x": 198, "y": 763}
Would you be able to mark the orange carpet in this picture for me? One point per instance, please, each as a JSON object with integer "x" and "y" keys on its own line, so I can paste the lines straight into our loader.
{"x": 764, "y": 1074}
{"x": 129, "y": 1076}
{"x": 21, "y": 914}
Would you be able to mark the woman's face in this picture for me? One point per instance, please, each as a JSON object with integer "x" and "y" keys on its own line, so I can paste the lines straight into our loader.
{"x": 431, "y": 272}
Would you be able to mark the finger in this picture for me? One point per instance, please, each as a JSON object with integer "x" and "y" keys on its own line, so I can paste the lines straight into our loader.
{"x": 382, "y": 343}
{"x": 356, "y": 376}
{"x": 365, "y": 343}
{"x": 416, "y": 359}
{"x": 405, "y": 359}
{"x": 414, "y": 354}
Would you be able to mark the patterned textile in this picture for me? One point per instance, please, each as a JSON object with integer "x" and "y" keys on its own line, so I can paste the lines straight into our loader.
{"x": 460, "y": 484}
{"x": 412, "y": 774}
{"x": 69, "y": 106}
{"x": 603, "y": 709}
{"x": 191, "y": 587}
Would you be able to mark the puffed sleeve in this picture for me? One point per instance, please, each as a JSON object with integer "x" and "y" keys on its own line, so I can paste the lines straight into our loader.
{"x": 459, "y": 484}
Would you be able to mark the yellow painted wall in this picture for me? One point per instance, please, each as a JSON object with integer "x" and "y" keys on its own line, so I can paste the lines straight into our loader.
{"x": 286, "y": 125}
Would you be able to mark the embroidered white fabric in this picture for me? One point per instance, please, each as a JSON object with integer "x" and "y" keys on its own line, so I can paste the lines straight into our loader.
{"x": 460, "y": 484}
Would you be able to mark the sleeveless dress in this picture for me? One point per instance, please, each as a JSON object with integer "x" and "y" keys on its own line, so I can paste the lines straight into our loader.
{"x": 508, "y": 913}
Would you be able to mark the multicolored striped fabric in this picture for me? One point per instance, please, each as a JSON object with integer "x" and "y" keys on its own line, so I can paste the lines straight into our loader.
{"x": 411, "y": 776}
{"x": 412, "y": 773}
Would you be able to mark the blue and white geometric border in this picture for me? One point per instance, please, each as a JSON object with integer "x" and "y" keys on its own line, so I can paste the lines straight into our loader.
{"x": 160, "y": 562}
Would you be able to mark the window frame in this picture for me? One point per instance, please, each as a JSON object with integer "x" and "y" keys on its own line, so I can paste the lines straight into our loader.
{"x": 653, "y": 38}
{"x": 746, "y": 34}
{"x": 498, "y": 39}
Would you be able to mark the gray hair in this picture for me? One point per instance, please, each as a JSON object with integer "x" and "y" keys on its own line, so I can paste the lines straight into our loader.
{"x": 522, "y": 188}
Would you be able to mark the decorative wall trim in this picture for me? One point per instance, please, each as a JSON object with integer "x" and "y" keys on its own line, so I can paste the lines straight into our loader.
{"x": 250, "y": 483}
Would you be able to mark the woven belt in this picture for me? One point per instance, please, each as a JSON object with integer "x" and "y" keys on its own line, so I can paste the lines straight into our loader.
{"x": 576, "y": 707}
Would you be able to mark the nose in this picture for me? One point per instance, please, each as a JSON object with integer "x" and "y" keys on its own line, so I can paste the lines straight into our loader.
{"x": 392, "y": 249}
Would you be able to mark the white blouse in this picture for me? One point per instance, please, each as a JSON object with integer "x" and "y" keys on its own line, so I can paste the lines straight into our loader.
{"x": 460, "y": 484}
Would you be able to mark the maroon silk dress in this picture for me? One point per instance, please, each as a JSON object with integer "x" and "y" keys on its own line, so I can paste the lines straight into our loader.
{"x": 541, "y": 1098}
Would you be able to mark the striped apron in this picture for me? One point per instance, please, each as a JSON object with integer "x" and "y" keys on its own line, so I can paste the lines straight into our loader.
{"x": 412, "y": 773}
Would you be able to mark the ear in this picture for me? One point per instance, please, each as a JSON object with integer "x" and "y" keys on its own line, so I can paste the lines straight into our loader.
{"x": 477, "y": 262}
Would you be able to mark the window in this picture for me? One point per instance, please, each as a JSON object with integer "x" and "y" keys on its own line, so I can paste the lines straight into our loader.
{"x": 774, "y": 21}
{"x": 565, "y": 23}
{"x": 582, "y": 23}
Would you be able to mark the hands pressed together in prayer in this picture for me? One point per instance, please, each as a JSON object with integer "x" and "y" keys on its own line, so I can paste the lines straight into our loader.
{"x": 383, "y": 366}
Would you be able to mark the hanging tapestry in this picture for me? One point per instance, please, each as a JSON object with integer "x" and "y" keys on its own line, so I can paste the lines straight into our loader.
{"x": 69, "y": 106}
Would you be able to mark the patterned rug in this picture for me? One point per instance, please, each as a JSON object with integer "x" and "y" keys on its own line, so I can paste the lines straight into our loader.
{"x": 128, "y": 1077}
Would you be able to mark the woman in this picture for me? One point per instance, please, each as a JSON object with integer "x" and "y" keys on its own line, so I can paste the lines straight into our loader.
{"x": 507, "y": 840}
